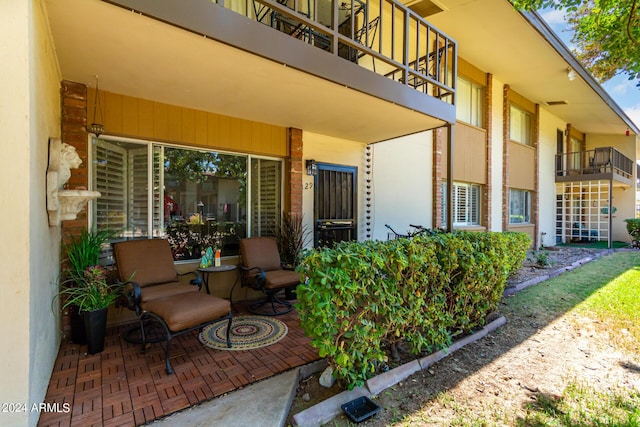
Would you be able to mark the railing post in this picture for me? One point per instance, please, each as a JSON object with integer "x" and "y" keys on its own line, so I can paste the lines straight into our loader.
{"x": 405, "y": 47}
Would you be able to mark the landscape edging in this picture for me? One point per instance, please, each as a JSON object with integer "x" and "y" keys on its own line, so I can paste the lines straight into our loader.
{"x": 327, "y": 410}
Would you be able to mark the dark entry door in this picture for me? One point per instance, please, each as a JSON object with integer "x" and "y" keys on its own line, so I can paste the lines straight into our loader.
{"x": 335, "y": 206}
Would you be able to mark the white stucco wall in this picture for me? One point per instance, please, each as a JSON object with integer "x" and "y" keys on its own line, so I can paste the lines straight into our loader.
{"x": 402, "y": 183}
{"x": 549, "y": 125}
{"x": 496, "y": 156}
{"x": 326, "y": 149}
{"x": 29, "y": 115}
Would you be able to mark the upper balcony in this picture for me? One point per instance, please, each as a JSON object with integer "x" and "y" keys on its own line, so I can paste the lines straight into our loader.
{"x": 383, "y": 36}
{"x": 602, "y": 163}
{"x": 361, "y": 70}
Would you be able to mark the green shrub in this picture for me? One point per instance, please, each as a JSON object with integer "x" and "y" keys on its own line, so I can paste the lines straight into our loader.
{"x": 633, "y": 227}
{"x": 360, "y": 296}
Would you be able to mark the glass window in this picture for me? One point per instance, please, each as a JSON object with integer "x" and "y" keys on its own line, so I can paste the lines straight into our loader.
{"x": 520, "y": 126}
{"x": 194, "y": 198}
{"x": 519, "y": 206}
{"x": 469, "y": 102}
{"x": 266, "y": 197}
{"x": 466, "y": 204}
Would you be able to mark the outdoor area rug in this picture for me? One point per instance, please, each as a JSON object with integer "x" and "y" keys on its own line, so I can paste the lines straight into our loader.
{"x": 247, "y": 333}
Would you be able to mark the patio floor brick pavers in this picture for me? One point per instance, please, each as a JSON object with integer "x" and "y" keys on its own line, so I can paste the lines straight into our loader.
{"x": 122, "y": 386}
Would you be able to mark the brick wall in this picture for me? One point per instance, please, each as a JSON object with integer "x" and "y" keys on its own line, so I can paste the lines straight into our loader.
{"x": 437, "y": 177}
{"x": 74, "y": 121}
{"x": 293, "y": 173}
{"x": 506, "y": 118}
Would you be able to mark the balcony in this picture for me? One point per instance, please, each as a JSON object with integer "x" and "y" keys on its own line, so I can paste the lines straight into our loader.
{"x": 602, "y": 163}
{"x": 354, "y": 69}
{"x": 384, "y": 36}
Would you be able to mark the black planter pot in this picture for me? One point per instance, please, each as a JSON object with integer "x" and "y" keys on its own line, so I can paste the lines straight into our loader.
{"x": 95, "y": 324}
{"x": 78, "y": 335}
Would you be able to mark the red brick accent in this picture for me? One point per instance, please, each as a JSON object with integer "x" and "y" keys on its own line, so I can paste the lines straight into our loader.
{"x": 438, "y": 158}
{"x": 73, "y": 97}
{"x": 506, "y": 119}
{"x": 294, "y": 168}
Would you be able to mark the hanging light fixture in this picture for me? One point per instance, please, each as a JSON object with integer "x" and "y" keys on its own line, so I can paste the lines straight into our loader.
{"x": 571, "y": 74}
{"x": 97, "y": 127}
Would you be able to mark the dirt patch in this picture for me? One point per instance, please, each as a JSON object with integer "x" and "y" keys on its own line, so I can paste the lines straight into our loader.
{"x": 532, "y": 356}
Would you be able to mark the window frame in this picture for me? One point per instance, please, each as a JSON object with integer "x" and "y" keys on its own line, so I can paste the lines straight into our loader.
{"x": 469, "y": 189}
{"x": 476, "y": 102}
{"x": 526, "y": 203}
{"x": 526, "y": 128}
{"x": 150, "y": 146}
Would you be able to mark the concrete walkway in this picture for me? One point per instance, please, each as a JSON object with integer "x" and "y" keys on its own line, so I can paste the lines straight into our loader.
{"x": 265, "y": 403}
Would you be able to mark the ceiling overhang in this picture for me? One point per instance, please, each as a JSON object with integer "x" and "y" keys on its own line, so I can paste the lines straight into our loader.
{"x": 143, "y": 57}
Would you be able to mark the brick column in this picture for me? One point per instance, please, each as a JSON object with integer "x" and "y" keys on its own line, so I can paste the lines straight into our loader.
{"x": 436, "y": 221}
{"x": 294, "y": 170}
{"x": 73, "y": 97}
{"x": 536, "y": 185}
{"x": 506, "y": 121}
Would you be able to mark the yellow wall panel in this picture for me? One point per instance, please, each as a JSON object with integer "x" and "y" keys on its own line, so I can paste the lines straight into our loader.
{"x": 145, "y": 118}
{"x": 470, "y": 154}
{"x": 521, "y": 166}
{"x": 140, "y": 118}
{"x": 160, "y": 121}
{"x": 174, "y": 117}
{"x": 112, "y": 111}
{"x": 200, "y": 127}
{"x": 189, "y": 125}
{"x": 130, "y": 119}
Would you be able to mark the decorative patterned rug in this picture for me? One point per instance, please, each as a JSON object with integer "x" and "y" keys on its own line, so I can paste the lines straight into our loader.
{"x": 247, "y": 333}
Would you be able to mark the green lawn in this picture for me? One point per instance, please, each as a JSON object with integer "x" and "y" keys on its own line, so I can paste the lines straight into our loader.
{"x": 607, "y": 291}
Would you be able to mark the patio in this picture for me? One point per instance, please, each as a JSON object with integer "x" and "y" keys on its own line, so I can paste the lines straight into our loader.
{"x": 123, "y": 387}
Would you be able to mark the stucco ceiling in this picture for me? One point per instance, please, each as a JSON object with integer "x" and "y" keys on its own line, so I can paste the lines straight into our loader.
{"x": 498, "y": 40}
{"x": 141, "y": 57}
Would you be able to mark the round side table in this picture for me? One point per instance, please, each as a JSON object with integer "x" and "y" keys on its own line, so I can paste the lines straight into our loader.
{"x": 206, "y": 272}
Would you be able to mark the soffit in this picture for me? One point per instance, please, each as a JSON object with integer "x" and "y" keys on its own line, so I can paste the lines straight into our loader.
{"x": 141, "y": 57}
{"x": 494, "y": 37}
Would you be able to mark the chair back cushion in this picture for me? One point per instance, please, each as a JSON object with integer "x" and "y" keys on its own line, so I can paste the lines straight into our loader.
{"x": 145, "y": 261}
{"x": 260, "y": 252}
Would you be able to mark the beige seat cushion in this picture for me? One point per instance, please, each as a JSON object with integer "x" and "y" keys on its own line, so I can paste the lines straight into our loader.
{"x": 145, "y": 261}
{"x": 188, "y": 310}
{"x": 154, "y": 292}
{"x": 281, "y": 279}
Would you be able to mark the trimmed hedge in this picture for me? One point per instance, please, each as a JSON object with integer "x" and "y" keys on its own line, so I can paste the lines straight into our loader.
{"x": 360, "y": 296}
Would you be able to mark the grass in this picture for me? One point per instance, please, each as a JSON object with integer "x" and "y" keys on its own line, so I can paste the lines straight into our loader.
{"x": 582, "y": 405}
{"x": 607, "y": 291}
{"x": 603, "y": 288}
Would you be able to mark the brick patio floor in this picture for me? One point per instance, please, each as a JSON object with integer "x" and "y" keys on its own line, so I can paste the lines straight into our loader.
{"x": 123, "y": 387}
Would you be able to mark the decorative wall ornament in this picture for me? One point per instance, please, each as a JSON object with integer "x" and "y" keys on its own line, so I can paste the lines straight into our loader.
{"x": 64, "y": 204}
{"x": 368, "y": 215}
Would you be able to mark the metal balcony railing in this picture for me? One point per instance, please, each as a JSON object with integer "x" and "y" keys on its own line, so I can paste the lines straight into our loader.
{"x": 383, "y": 36}
{"x": 600, "y": 163}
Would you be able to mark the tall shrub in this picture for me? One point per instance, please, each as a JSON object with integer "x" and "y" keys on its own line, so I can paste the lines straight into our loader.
{"x": 359, "y": 296}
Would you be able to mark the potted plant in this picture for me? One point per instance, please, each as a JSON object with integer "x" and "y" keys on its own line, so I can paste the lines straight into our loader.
{"x": 93, "y": 295}
{"x": 81, "y": 252}
{"x": 292, "y": 235}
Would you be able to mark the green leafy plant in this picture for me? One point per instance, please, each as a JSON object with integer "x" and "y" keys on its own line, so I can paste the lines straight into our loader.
{"x": 90, "y": 292}
{"x": 82, "y": 251}
{"x": 292, "y": 236}
{"x": 633, "y": 228}
{"x": 360, "y": 298}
